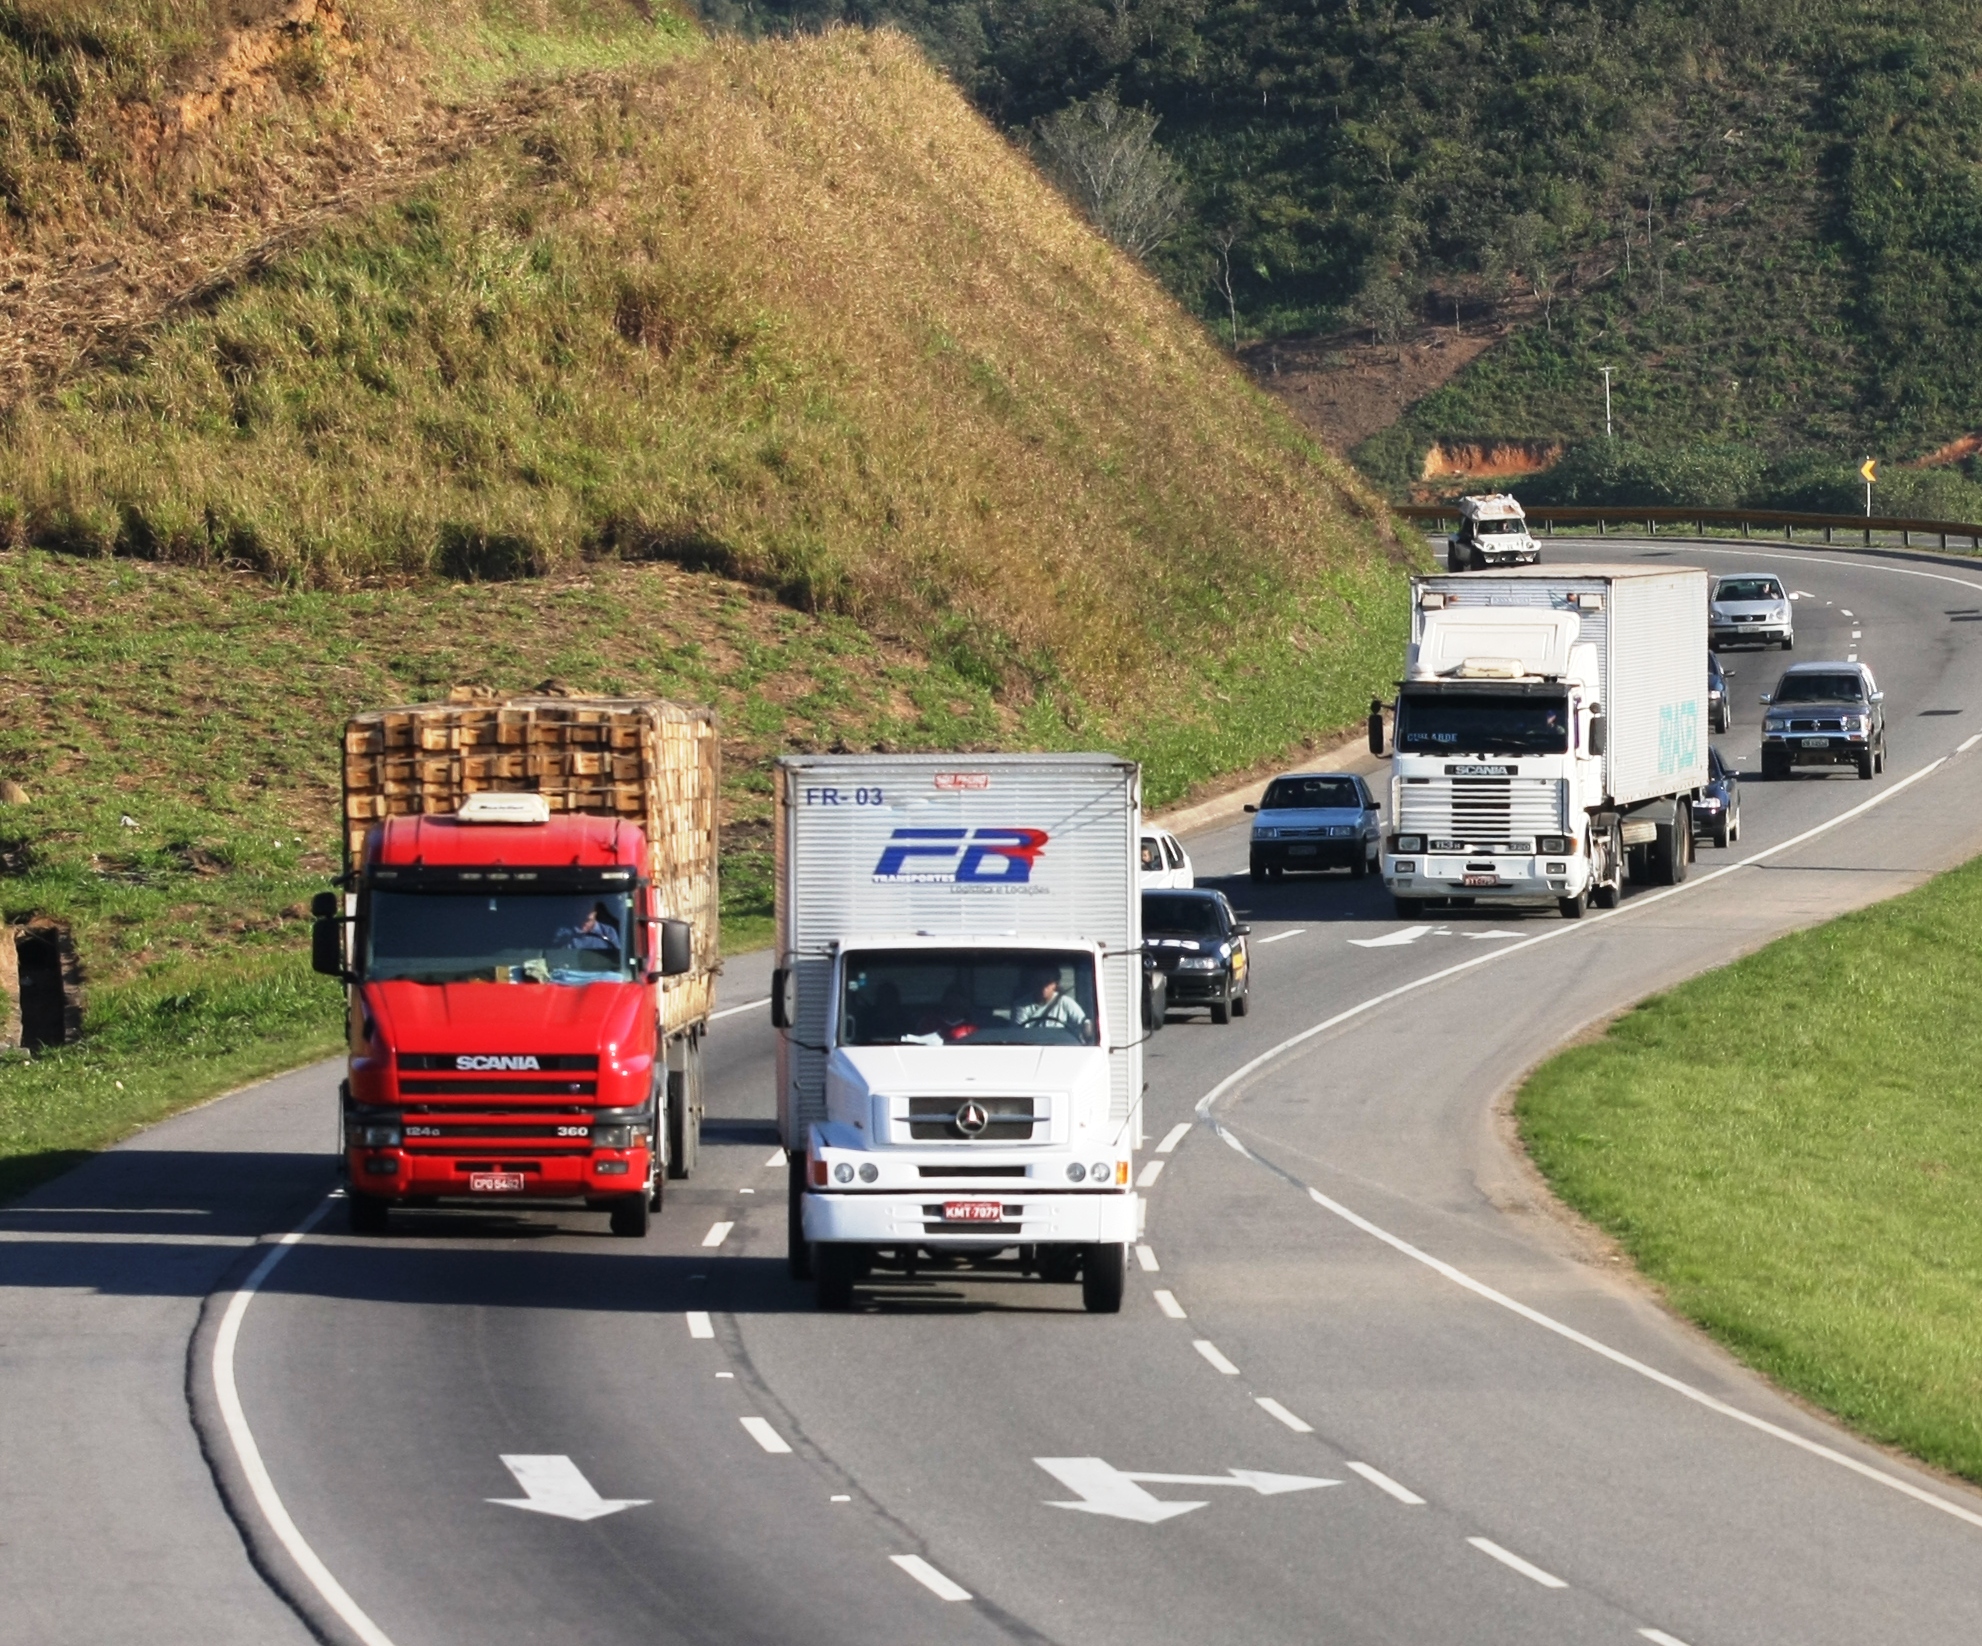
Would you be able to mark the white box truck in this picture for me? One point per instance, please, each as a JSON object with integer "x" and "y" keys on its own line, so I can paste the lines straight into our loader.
{"x": 1550, "y": 735}
{"x": 961, "y": 1003}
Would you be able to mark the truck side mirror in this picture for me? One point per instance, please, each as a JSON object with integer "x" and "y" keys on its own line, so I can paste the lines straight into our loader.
{"x": 326, "y": 906}
{"x": 784, "y": 998}
{"x": 327, "y": 943}
{"x": 1598, "y": 736}
{"x": 1376, "y": 727}
{"x": 677, "y": 947}
{"x": 1155, "y": 998}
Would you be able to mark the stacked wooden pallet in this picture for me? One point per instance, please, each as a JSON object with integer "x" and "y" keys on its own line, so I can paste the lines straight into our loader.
{"x": 649, "y": 761}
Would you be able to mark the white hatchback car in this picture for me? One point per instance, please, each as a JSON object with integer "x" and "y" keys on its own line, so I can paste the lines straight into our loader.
{"x": 1750, "y": 608}
{"x": 1166, "y": 866}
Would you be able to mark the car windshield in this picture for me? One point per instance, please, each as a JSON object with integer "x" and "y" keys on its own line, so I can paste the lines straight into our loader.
{"x": 1488, "y": 528}
{"x": 1820, "y": 688}
{"x": 1311, "y": 794}
{"x": 1175, "y": 915}
{"x": 1748, "y": 588}
{"x": 1481, "y": 723}
{"x": 988, "y": 997}
{"x": 473, "y": 937}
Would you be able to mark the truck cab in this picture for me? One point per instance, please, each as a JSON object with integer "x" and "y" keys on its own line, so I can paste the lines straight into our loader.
{"x": 1493, "y": 531}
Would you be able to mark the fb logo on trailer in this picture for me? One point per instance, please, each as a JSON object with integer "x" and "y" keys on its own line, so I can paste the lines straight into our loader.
{"x": 961, "y": 857}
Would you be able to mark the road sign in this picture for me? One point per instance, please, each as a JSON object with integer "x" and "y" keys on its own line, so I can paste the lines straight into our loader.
{"x": 1870, "y": 470}
{"x": 553, "y": 1486}
{"x": 1118, "y": 1493}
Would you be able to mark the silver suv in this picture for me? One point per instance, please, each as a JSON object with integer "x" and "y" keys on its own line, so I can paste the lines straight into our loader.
{"x": 1824, "y": 714}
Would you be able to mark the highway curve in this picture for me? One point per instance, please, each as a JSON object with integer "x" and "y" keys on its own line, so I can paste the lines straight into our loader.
{"x": 1453, "y": 1420}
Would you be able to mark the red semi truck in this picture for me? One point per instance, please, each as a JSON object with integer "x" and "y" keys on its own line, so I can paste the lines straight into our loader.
{"x": 527, "y": 932}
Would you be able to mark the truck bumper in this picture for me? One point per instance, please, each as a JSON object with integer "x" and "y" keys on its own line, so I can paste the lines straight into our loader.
{"x": 1059, "y": 1218}
{"x": 1513, "y": 879}
{"x": 395, "y": 1174}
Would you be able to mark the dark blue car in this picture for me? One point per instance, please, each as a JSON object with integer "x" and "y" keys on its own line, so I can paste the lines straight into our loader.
{"x": 1720, "y": 706}
{"x": 1717, "y": 810}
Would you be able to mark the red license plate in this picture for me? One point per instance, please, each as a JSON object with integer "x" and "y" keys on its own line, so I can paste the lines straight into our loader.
{"x": 1483, "y": 880}
{"x": 495, "y": 1182}
{"x": 973, "y": 1211}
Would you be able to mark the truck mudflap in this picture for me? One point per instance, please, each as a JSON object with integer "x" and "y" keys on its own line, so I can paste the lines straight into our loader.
{"x": 988, "y": 1218}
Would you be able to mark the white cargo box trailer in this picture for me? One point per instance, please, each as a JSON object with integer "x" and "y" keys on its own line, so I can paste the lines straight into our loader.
{"x": 1551, "y": 728}
{"x": 961, "y": 999}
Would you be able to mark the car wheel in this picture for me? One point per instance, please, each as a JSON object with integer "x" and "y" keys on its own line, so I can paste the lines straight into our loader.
{"x": 1221, "y": 1010}
{"x": 1256, "y": 872}
{"x": 366, "y": 1214}
{"x": 1361, "y": 867}
{"x": 1723, "y": 830}
{"x": 1774, "y": 767}
{"x": 1865, "y": 766}
{"x": 1104, "y": 1277}
{"x": 1789, "y": 642}
{"x": 1242, "y": 1004}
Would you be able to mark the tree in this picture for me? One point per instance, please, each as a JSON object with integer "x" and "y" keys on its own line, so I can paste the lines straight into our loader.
{"x": 1106, "y": 160}
{"x": 1531, "y": 248}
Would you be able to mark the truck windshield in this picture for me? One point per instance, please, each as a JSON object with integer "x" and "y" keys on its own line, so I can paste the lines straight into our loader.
{"x": 530, "y": 937}
{"x": 1482, "y": 723}
{"x": 983, "y": 997}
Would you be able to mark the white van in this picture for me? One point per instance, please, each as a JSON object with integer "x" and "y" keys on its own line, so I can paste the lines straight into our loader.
{"x": 1492, "y": 532}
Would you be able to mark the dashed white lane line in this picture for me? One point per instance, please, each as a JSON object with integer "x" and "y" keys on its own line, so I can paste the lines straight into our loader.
{"x": 731, "y": 1011}
{"x": 1383, "y": 1483}
{"x": 1273, "y": 1409}
{"x": 1209, "y": 1350}
{"x": 1167, "y": 1302}
{"x": 935, "y": 1582}
{"x": 760, "y": 1430}
{"x": 1857, "y": 634}
{"x": 1175, "y": 1135}
{"x": 1844, "y": 611}
{"x": 1146, "y": 1256}
{"x": 1968, "y": 743}
{"x": 699, "y": 1324}
{"x": 777, "y": 1159}
{"x": 1150, "y": 1174}
{"x": 1658, "y": 1637}
{"x": 1281, "y": 937}
{"x": 718, "y": 1233}
{"x": 1507, "y": 1557}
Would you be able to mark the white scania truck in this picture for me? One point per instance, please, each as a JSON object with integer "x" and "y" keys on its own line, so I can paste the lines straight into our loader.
{"x": 961, "y": 1003}
{"x": 1550, "y": 735}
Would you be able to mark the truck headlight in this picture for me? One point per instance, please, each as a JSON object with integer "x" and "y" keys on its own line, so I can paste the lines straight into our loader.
{"x": 612, "y": 1137}
{"x": 1409, "y": 843}
{"x": 843, "y": 1172}
{"x": 1076, "y": 1172}
{"x": 1555, "y": 843}
{"x": 869, "y": 1171}
{"x": 1098, "y": 1171}
{"x": 384, "y": 1134}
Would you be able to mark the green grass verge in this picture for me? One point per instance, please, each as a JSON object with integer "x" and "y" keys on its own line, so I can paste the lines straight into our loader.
{"x": 1791, "y": 1148}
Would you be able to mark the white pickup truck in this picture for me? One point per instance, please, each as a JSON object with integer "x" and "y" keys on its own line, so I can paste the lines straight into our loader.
{"x": 1550, "y": 734}
{"x": 961, "y": 1002}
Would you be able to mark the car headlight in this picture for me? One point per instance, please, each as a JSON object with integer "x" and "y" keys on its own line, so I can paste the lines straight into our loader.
{"x": 1854, "y": 722}
{"x": 1200, "y": 963}
{"x": 1708, "y": 803}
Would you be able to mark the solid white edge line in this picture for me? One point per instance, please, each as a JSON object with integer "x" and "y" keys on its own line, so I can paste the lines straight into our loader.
{"x": 1658, "y": 1637}
{"x": 1273, "y": 1409}
{"x": 699, "y": 1324}
{"x": 1175, "y": 1135}
{"x": 1507, "y": 1557}
{"x": 1167, "y": 1302}
{"x": 731, "y": 1011}
{"x": 934, "y": 1581}
{"x": 718, "y": 1233}
{"x": 1968, "y": 743}
{"x": 1209, "y": 1350}
{"x": 248, "y": 1454}
{"x": 1491, "y": 957}
{"x": 759, "y": 1429}
{"x": 1150, "y": 1173}
{"x": 1298, "y": 931}
{"x": 1383, "y": 1483}
{"x": 1146, "y": 1256}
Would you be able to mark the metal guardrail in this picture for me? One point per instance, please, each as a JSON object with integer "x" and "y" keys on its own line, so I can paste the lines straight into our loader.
{"x": 1768, "y": 522}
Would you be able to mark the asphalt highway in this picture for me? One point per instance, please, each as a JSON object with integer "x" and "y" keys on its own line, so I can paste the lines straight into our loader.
{"x": 1407, "y": 1400}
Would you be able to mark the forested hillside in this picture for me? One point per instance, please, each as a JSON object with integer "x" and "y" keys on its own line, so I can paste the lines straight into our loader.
{"x": 1766, "y": 216}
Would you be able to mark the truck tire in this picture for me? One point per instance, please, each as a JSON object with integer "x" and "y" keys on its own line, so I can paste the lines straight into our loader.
{"x": 685, "y": 1110}
{"x": 1674, "y": 846}
{"x": 1572, "y": 907}
{"x": 1405, "y": 908}
{"x": 366, "y": 1214}
{"x": 835, "y": 1267}
{"x": 798, "y": 1254}
{"x": 1103, "y": 1278}
{"x": 632, "y": 1217}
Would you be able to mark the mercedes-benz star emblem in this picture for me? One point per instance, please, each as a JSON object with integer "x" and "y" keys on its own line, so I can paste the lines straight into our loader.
{"x": 972, "y": 1119}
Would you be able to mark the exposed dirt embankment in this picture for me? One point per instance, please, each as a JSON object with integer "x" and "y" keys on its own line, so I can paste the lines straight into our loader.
{"x": 1488, "y": 459}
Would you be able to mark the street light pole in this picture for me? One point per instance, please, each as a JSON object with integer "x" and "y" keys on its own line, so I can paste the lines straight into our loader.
{"x": 1606, "y": 370}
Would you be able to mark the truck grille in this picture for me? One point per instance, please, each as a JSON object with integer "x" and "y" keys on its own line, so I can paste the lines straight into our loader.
{"x": 1480, "y": 810}
{"x": 1007, "y": 1119}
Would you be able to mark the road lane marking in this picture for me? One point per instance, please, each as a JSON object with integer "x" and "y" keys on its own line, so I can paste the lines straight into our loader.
{"x": 777, "y": 1158}
{"x": 761, "y": 1431}
{"x": 248, "y": 1454}
{"x": 1507, "y": 1557}
{"x": 1857, "y": 634}
{"x": 1658, "y": 1637}
{"x": 554, "y": 1485}
{"x": 746, "y": 1191}
{"x": 1118, "y": 1494}
{"x": 1843, "y": 611}
{"x": 718, "y": 1233}
{"x": 1150, "y": 1174}
{"x": 1175, "y": 1135}
{"x": 1167, "y": 1302}
{"x": 731, "y": 1011}
{"x": 1279, "y": 937}
{"x": 840, "y": 1497}
{"x": 1146, "y": 1256}
{"x": 1273, "y": 1409}
{"x": 1964, "y": 747}
{"x": 1383, "y": 1483}
{"x": 1209, "y": 1350}
{"x": 699, "y": 1324}
{"x": 931, "y": 1579}
{"x": 1391, "y": 940}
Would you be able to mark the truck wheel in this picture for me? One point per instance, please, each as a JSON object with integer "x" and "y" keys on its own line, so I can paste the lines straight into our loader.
{"x": 835, "y": 1267}
{"x": 1103, "y": 1277}
{"x": 631, "y": 1217}
{"x": 1572, "y": 907}
{"x": 1865, "y": 764}
{"x": 685, "y": 1110}
{"x": 798, "y": 1254}
{"x": 1405, "y": 908}
{"x": 1673, "y": 846}
{"x": 366, "y": 1214}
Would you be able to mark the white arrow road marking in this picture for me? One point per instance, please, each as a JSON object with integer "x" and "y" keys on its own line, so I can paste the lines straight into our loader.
{"x": 1391, "y": 940}
{"x": 1106, "y": 1490}
{"x": 1383, "y": 1483}
{"x": 1280, "y": 936}
{"x": 1805, "y": 594}
{"x": 1658, "y": 1637}
{"x": 1481, "y": 937}
{"x": 1507, "y": 1557}
{"x": 553, "y": 1486}
{"x": 1175, "y": 1135}
{"x": 942, "y": 1587}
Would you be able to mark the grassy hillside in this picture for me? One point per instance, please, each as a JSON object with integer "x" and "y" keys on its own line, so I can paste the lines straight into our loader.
{"x": 767, "y": 376}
